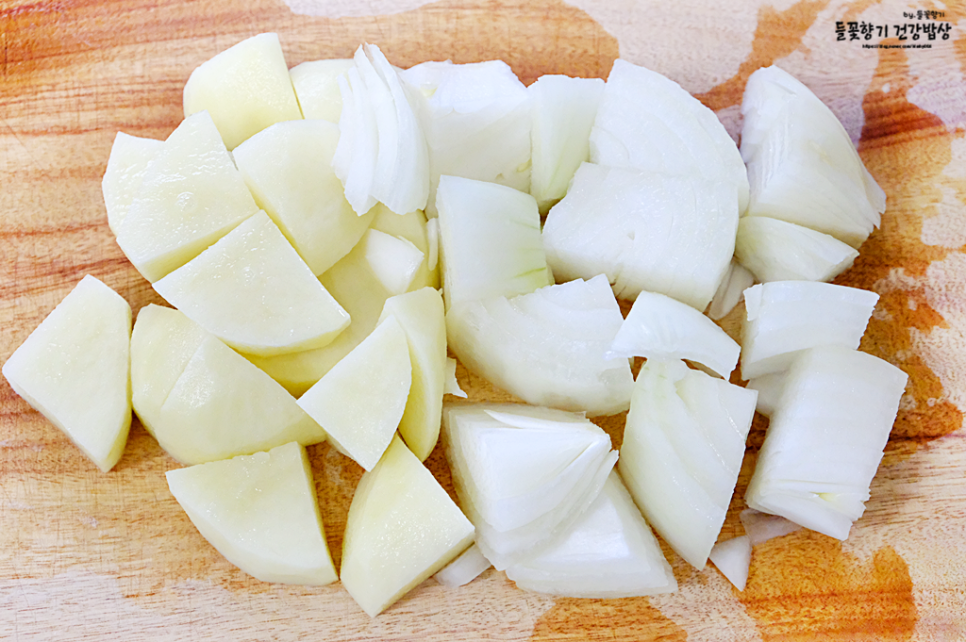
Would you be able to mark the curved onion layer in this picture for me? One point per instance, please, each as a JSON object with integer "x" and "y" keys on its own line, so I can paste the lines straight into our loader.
{"x": 733, "y": 559}
{"x": 779, "y": 251}
{"x": 476, "y": 118}
{"x": 382, "y": 154}
{"x": 490, "y": 241}
{"x": 658, "y": 326}
{"x": 802, "y": 165}
{"x": 451, "y": 386}
{"x": 645, "y": 231}
{"x": 648, "y": 122}
{"x": 563, "y": 110}
{"x": 683, "y": 446}
{"x": 609, "y": 552}
{"x": 523, "y": 474}
{"x": 731, "y": 291}
{"x": 464, "y": 569}
{"x": 825, "y": 438}
{"x": 785, "y": 317}
{"x": 762, "y": 527}
{"x": 547, "y": 347}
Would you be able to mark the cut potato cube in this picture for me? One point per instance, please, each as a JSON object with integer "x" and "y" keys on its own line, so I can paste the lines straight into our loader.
{"x": 74, "y": 368}
{"x": 360, "y": 401}
{"x": 420, "y": 314}
{"x": 245, "y": 88}
{"x": 253, "y": 291}
{"x": 402, "y": 527}
{"x": 261, "y": 512}
{"x": 162, "y": 344}
{"x": 317, "y": 87}
{"x": 288, "y": 168}
{"x": 190, "y": 197}
{"x": 203, "y": 401}
{"x": 129, "y": 160}
{"x": 354, "y": 285}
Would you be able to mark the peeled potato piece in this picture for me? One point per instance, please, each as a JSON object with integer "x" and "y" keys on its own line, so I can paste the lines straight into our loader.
{"x": 420, "y": 314}
{"x": 74, "y": 368}
{"x": 288, "y": 168}
{"x": 360, "y": 401}
{"x": 129, "y": 160}
{"x": 189, "y": 197}
{"x": 253, "y": 291}
{"x": 261, "y": 512}
{"x": 402, "y": 527}
{"x": 245, "y": 88}
{"x": 203, "y": 401}
{"x": 317, "y": 87}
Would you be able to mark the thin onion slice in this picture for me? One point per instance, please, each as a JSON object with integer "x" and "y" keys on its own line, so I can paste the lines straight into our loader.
{"x": 464, "y": 569}
{"x": 761, "y": 527}
{"x": 547, "y": 347}
{"x": 609, "y": 552}
{"x": 733, "y": 559}
{"x": 776, "y": 250}
{"x": 731, "y": 291}
{"x": 659, "y": 326}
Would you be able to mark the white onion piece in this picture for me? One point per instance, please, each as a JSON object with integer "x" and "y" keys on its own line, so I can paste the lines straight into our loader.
{"x": 563, "y": 110}
{"x": 464, "y": 569}
{"x": 648, "y": 122}
{"x": 490, "y": 241}
{"x": 784, "y": 317}
{"x": 683, "y": 445}
{"x": 731, "y": 290}
{"x": 659, "y": 326}
{"x": 645, "y": 231}
{"x": 476, "y": 119}
{"x": 825, "y": 439}
{"x": 609, "y": 552}
{"x": 547, "y": 347}
{"x": 393, "y": 259}
{"x": 733, "y": 559}
{"x": 523, "y": 486}
{"x": 450, "y": 385}
{"x": 802, "y": 165}
{"x": 383, "y": 154}
{"x": 769, "y": 389}
{"x": 780, "y": 251}
{"x": 761, "y": 527}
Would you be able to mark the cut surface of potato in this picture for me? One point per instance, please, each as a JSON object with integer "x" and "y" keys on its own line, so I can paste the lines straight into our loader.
{"x": 203, "y": 401}
{"x": 190, "y": 197}
{"x": 360, "y": 401}
{"x": 74, "y": 368}
{"x": 130, "y": 157}
{"x": 253, "y": 291}
{"x": 317, "y": 87}
{"x": 402, "y": 527}
{"x": 288, "y": 168}
{"x": 420, "y": 314}
{"x": 245, "y": 88}
{"x": 261, "y": 512}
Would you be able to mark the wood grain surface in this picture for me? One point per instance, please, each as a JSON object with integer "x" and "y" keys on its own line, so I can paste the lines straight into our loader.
{"x": 91, "y": 556}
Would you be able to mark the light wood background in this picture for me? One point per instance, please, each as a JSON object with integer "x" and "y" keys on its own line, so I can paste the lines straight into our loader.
{"x": 89, "y": 556}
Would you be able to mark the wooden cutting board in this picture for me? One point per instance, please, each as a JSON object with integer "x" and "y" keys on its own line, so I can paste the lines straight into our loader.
{"x": 91, "y": 556}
